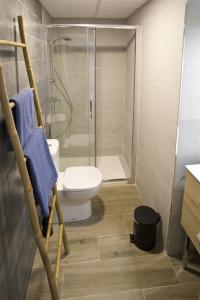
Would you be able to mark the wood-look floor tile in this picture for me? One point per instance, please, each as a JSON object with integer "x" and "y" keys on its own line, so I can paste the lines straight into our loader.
{"x": 97, "y": 226}
{"x": 39, "y": 287}
{"x": 128, "y": 220}
{"x": 118, "y": 246}
{"x": 189, "y": 291}
{"x": 187, "y": 275}
{"x": 127, "y": 295}
{"x": 118, "y": 274}
{"x": 118, "y": 206}
{"x": 83, "y": 249}
{"x": 110, "y": 191}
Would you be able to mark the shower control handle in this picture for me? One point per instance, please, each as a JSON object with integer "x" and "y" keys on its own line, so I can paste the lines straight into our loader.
{"x": 90, "y": 109}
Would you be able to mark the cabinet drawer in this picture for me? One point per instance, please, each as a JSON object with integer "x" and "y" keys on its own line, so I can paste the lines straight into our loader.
{"x": 193, "y": 205}
{"x": 192, "y": 190}
{"x": 191, "y": 224}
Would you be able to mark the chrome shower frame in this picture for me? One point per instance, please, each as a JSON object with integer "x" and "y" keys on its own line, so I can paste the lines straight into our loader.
{"x": 136, "y": 84}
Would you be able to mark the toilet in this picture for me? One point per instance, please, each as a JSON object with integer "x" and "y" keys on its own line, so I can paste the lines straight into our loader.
{"x": 76, "y": 187}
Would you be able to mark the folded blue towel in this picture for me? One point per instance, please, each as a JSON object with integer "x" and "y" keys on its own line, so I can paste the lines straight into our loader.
{"x": 41, "y": 168}
{"x": 23, "y": 114}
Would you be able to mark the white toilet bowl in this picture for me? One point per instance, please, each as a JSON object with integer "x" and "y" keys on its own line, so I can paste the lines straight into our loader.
{"x": 76, "y": 188}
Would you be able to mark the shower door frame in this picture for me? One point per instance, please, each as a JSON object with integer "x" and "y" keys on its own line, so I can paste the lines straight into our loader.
{"x": 136, "y": 84}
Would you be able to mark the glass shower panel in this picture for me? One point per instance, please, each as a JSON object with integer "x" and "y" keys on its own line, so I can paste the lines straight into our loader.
{"x": 115, "y": 68}
{"x": 71, "y": 103}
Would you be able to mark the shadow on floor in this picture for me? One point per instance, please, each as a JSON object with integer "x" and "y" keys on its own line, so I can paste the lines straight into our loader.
{"x": 159, "y": 247}
{"x": 98, "y": 210}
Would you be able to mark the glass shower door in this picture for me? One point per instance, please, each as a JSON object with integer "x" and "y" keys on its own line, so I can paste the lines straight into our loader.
{"x": 72, "y": 94}
{"x": 92, "y": 91}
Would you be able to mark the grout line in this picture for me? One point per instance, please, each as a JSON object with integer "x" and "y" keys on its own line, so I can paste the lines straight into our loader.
{"x": 174, "y": 270}
{"x": 143, "y": 294}
{"x": 112, "y": 235}
{"x": 167, "y": 286}
{"x": 97, "y": 8}
{"x": 81, "y": 262}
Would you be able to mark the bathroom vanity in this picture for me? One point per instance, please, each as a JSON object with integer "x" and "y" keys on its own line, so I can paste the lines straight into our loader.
{"x": 190, "y": 219}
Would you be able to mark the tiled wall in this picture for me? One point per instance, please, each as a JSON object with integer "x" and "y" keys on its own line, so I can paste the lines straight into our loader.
{"x": 162, "y": 25}
{"x": 110, "y": 90}
{"x": 188, "y": 144}
{"x": 17, "y": 245}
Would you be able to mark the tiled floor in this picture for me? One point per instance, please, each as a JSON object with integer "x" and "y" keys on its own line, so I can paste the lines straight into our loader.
{"x": 103, "y": 265}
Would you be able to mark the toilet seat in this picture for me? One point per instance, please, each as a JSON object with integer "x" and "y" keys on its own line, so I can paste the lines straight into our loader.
{"x": 81, "y": 178}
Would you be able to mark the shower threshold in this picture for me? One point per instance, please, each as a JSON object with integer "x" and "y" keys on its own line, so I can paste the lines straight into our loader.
{"x": 113, "y": 167}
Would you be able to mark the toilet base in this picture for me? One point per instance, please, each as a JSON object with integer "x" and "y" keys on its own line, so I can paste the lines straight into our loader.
{"x": 74, "y": 213}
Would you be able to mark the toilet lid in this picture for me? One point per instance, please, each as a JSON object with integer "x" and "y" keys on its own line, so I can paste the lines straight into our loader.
{"x": 81, "y": 178}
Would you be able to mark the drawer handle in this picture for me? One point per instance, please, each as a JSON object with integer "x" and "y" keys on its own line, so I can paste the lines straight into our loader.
{"x": 198, "y": 237}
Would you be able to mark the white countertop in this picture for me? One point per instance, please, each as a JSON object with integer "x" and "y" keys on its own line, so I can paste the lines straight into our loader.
{"x": 194, "y": 170}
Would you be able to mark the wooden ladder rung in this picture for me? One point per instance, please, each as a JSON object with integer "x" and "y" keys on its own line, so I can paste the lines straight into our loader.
{"x": 59, "y": 247}
{"x": 50, "y": 223}
{"x": 12, "y": 43}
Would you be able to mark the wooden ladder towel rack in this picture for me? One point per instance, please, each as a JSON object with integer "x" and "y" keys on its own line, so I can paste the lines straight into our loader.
{"x": 42, "y": 244}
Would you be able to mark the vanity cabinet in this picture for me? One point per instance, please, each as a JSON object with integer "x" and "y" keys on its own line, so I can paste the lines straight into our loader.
{"x": 190, "y": 219}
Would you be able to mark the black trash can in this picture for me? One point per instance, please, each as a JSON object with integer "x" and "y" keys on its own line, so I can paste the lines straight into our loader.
{"x": 145, "y": 227}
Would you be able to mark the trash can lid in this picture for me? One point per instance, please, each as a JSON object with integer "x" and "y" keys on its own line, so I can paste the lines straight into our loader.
{"x": 146, "y": 215}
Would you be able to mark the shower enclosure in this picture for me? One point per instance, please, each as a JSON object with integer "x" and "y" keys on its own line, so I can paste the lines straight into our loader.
{"x": 92, "y": 89}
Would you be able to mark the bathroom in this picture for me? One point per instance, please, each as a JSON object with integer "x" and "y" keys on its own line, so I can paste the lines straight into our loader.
{"x": 130, "y": 71}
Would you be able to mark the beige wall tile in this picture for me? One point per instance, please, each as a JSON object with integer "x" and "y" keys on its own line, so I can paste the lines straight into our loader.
{"x": 110, "y": 90}
{"x": 162, "y": 25}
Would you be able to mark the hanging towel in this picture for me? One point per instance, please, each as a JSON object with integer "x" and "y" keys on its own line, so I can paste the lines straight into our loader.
{"x": 23, "y": 114}
{"x": 41, "y": 168}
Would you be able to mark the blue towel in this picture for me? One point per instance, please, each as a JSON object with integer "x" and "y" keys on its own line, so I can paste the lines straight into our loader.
{"x": 41, "y": 168}
{"x": 23, "y": 114}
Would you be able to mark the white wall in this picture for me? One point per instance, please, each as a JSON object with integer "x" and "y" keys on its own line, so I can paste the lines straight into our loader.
{"x": 162, "y": 25}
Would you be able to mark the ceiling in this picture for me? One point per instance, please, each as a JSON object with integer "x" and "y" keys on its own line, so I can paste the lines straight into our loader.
{"x": 111, "y": 9}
